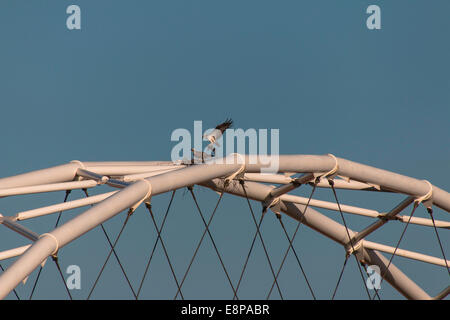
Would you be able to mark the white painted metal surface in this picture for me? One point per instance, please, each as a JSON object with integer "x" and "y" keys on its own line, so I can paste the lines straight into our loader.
{"x": 138, "y": 181}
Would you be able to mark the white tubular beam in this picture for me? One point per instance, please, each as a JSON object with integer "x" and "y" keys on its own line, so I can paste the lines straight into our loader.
{"x": 92, "y": 175}
{"x": 355, "y": 171}
{"x": 51, "y": 242}
{"x": 101, "y": 212}
{"x": 85, "y": 184}
{"x": 425, "y": 222}
{"x": 378, "y": 224}
{"x": 62, "y": 173}
{"x": 405, "y": 253}
{"x": 190, "y": 176}
{"x": 101, "y": 179}
{"x": 343, "y": 184}
{"x": 395, "y": 276}
{"x": 24, "y": 215}
{"x": 286, "y": 163}
{"x": 331, "y": 206}
{"x": 125, "y": 170}
{"x": 323, "y": 183}
{"x": 330, "y": 229}
{"x": 268, "y": 178}
{"x": 16, "y": 227}
{"x": 317, "y": 221}
{"x": 134, "y": 177}
{"x": 295, "y": 183}
{"x": 90, "y": 164}
{"x": 362, "y": 211}
{"x": 11, "y": 253}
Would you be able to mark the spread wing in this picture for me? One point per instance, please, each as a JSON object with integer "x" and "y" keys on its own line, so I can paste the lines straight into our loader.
{"x": 225, "y": 125}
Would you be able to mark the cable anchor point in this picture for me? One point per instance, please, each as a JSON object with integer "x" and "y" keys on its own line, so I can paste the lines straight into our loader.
{"x": 330, "y": 175}
{"x": 427, "y": 199}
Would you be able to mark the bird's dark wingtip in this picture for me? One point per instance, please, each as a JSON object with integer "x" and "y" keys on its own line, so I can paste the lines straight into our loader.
{"x": 229, "y": 122}
{"x": 225, "y": 125}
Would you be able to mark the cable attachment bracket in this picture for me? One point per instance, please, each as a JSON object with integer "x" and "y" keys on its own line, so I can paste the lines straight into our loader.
{"x": 146, "y": 198}
{"x": 274, "y": 204}
{"x": 239, "y": 174}
{"x": 54, "y": 254}
{"x": 426, "y": 199}
{"x": 330, "y": 175}
{"x": 355, "y": 248}
{"x": 81, "y": 166}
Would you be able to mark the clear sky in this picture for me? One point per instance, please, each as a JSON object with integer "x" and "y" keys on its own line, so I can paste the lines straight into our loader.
{"x": 137, "y": 70}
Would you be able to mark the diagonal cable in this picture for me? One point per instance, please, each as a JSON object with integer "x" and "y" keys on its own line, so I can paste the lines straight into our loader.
{"x": 114, "y": 252}
{"x": 398, "y": 243}
{"x": 35, "y": 283}
{"x": 331, "y": 182}
{"x": 198, "y": 245}
{"x": 60, "y": 213}
{"x": 148, "y": 206}
{"x": 41, "y": 267}
{"x": 297, "y": 258}
{"x": 430, "y": 211}
{"x": 211, "y": 237}
{"x": 110, "y": 252}
{"x": 293, "y": 237}
{"x": 248, "y": 256}
{"x": 55, "y": 259}
{"x": 340, "y": 277}
{"x": 258, "y": 225}
{"x": 156, "y": 243}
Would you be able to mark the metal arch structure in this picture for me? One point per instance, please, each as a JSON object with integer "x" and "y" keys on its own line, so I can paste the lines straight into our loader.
{"x": 137, "y": 182}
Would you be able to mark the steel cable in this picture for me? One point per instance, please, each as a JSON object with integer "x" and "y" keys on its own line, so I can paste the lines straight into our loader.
{"x": 331, "y": 182}
{"x": 110, "y": 252}
{"x": 294, "y": 235}
{"x": 164, "y": 248}
{"x": 156, "y": 243}
{"x": 258, "y": 225}
{"x": 198, "y": 245}
{"x": 41, "y": 267}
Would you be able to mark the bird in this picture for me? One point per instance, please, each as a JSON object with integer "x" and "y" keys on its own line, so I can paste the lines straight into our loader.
{"x": 200, "y": 155}
{"x": 218, "y": 131}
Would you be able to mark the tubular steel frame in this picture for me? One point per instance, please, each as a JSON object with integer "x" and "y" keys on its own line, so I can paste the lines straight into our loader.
{"x": 137, "y": 182}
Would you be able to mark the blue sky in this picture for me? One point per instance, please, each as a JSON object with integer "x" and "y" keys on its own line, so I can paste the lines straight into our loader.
{"x": 136, "y": 71}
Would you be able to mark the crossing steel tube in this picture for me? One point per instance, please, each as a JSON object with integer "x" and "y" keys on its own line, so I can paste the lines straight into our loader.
{"x": 187, "y": 175}
{"x": 330, "y": 229}
{"x": 63, "y": 186}
{"x": 62, "y": 173}
{"x": 405, "y": 253}
{"x": 60, "y": 207}
{"x": 51, "y": 242}
{"x": 11, "y": 253}
{"x": 387, "y": 180}
{"x": 359, "y": 172}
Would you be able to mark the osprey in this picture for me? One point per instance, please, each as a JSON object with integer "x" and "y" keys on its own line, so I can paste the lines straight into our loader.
{"x": 217, "y": 132}
{"x": 197, "y": 155}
